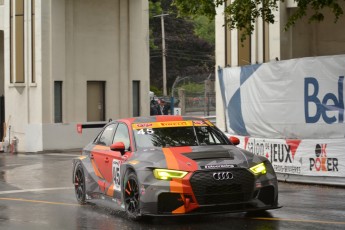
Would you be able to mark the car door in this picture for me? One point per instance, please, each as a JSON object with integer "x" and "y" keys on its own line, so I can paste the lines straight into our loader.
{"x": 115, "y": 158}
{"x": 100, "y": 153}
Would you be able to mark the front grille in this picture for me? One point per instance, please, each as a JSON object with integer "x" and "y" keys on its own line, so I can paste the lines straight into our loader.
{"x": 168, "y": 202}
{"x": 209, "y": 191}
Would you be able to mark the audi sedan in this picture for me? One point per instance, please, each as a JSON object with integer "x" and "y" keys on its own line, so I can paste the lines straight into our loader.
{"x": 172, "y": 165}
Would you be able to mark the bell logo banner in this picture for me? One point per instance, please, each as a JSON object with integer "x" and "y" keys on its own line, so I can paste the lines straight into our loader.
{"x": 293, "y": 99}
{"x": 290, "y": 112}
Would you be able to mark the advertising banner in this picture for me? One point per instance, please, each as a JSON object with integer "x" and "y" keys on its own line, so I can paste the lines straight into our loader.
{"x": 295, "y": 99}
{"x": 311, "y": 157}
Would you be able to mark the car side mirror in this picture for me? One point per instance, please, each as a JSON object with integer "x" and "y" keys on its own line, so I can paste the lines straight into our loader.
{"x": 118, "y": 147}
{"x": 234, "y": 140}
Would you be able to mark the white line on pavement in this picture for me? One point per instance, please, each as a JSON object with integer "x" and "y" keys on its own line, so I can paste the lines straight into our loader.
{"x": 63, "y": 155}
{"x": 34, "y": 190}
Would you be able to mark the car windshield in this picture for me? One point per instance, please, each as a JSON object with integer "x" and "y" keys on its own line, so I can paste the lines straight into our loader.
{"x": 170, "y": 134}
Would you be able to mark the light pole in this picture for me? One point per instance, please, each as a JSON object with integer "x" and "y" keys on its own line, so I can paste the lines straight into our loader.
{"x": 163, "y": 54}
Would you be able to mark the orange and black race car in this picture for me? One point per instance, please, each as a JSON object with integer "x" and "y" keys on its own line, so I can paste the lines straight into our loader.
{"x": 172, "y": 165}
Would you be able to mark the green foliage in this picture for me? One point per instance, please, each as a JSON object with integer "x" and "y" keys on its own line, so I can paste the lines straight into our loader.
{"x": 241, "y": 14}
{"x": 197, "y": 7}
{"x": 193, "y": 87}
{"x": 205, "y": 28}
{"x": 187, "y": 54}
{"x": 155, "y": 9}
{"x": 156, "y": 91}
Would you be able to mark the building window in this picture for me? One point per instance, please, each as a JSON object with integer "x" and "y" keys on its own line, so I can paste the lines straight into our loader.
{"x": 227, "y": 40}
{"x": 33, "y": 68}
{"x": 266, "y": 42}
{"x": 19, "y": 41}
{"x": 58, "y": 101}
{"x": 136, "y": 98}
{"x": 11, "y": 44}
{"x": 244, "y": 54}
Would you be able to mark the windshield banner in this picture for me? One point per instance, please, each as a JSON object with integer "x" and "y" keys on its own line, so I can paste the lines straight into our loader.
{"x": 169, "y": 124}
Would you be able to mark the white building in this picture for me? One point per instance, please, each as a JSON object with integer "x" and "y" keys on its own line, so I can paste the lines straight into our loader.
{"x": 65, "y": 62}
{"x": 271, "y": 42}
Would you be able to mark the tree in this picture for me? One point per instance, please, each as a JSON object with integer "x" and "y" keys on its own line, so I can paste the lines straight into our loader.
{"x": 241, "y": 14}
{"x": 205, "y": 28}
{"x": 187, "y": 53}
{"x": 154, "y": 8}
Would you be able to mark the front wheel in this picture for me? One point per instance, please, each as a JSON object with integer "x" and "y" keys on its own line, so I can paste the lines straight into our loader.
{"x": 79, "y": 184}
{"x": 132, "y": 196}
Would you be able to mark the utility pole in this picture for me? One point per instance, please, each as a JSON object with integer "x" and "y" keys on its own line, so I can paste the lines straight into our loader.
{"x": 163, "y": 54}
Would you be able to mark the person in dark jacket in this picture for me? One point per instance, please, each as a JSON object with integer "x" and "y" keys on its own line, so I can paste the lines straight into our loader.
{"x": 162, "y": 108}
{"x": 153, "y": 107}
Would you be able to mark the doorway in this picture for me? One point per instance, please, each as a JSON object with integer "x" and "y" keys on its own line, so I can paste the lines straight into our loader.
{"x": 95, "y": 101}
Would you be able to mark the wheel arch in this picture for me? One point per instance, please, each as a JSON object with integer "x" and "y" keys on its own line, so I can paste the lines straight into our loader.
{"x": 76, "y": 163}
{"x": 127, "y": 170}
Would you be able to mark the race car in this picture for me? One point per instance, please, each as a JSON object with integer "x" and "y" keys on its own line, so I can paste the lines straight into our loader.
{"x": 172, "y": 165}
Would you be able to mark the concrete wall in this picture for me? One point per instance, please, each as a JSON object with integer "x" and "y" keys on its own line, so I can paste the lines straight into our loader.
{"x": 16, "y": 100}
{"x": 57, "y": 137}
{"x": 2, "y": 44}
{"x": 77, "y": 41}
{"x": 312, "y": 39}
{"x": 302, "y": 40}
{"x": 220, "y": 62}
{"x": 1, "y": 17}
{"x": 139, "y": 51}
{"x": 2, "y": 61}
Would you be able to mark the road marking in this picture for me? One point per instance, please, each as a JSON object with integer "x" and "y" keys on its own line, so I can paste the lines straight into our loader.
{"x": 258, "y": 218}
{"x": 38, "y": 201}
{"x": 34, "y": 190}
{"x": 62, "y": 155}
{"x": 68, "y": 204}
{"x": 305, "y": 221}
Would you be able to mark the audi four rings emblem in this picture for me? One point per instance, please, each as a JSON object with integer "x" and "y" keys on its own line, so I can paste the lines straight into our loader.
{"x": 222, "y": 175}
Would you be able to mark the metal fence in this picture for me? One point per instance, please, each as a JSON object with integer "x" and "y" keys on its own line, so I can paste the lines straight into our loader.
{"x": 201, "y": 103}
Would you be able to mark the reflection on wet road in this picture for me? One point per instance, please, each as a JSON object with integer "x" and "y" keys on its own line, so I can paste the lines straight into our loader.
{"x": 36, "y": 192}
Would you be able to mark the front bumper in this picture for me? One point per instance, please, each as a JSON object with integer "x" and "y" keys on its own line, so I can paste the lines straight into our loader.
{"x": 199, "y": 193}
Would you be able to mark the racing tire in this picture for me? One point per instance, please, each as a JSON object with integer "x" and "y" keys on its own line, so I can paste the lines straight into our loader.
{"x": 79, "y": 184}
{"x": 132, "y": 196}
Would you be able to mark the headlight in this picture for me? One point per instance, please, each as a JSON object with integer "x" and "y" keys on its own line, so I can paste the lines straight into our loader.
{"x": 166, "y": 174}
{"x": 259, "y": 169}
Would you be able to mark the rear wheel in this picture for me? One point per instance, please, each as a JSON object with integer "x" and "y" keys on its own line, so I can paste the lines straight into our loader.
{"x": 79, "y": 184}
{"x": 132, "y": 196}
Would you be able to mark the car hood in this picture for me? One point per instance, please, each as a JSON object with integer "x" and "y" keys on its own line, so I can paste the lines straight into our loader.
{"x": 198, "y": 157}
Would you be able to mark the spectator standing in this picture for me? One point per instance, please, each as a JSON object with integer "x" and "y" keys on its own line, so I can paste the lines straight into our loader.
{"x": 153, "y": 107}
{"x": 162, "y": 108}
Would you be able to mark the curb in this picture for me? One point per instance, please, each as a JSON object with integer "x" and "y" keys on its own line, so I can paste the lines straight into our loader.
{"x": 315, "y": 180}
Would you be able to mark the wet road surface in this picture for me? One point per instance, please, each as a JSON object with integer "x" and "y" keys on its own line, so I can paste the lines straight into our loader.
{"x": 36, "y": 192}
